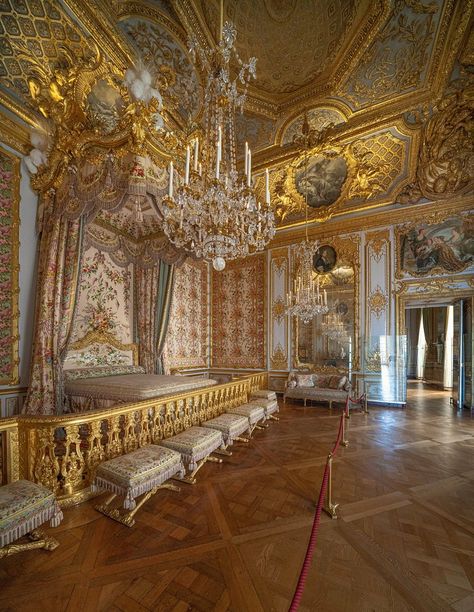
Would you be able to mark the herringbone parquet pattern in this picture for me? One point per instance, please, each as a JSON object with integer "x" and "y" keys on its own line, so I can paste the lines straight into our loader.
{"x": 236, "y": 540}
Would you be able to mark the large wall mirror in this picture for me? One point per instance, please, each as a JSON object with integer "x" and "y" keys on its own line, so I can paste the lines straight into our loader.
{"x": 329, "y": 342}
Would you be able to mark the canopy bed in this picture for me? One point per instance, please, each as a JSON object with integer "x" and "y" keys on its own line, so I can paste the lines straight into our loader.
{"x": 109, "y": 375}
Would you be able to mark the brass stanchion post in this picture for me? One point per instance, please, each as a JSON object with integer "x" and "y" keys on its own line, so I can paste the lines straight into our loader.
{"x": 344, "y": 442}
{"x": 330, "y": 508}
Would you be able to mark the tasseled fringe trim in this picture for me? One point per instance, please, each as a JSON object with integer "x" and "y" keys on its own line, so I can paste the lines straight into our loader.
{"x": 229, "y": 436}
{"x": 52, "y": 514}
{"x": 130, "y": 493}
{"x": 192, "y": 460}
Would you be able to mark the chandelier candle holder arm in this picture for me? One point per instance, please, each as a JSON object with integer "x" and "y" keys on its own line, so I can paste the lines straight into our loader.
{"x": 215, "y": 214}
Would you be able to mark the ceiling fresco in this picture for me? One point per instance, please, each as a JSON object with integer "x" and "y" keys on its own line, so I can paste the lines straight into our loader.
{"x": 384, "y": 86}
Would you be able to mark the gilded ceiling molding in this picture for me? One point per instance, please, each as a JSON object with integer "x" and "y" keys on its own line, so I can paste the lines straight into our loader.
{"x": 13, "y": 134}
{"x": 26, "y": 114}
{"x": 139, "y": 9}
{"x": 359, "y": 44}
{"x": 95, "y": 17}
{"x": 193, "y": 22}
{"x": 360, "y": 223}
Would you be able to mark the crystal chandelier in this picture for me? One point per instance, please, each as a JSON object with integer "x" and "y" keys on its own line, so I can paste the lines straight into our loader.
{"x": 215, "y": 214}
{"x": 334, "y": 327}
{"x": 306, "y": 300}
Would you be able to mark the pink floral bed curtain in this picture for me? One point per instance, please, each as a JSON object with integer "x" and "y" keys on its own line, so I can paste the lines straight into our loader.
{"x": 60, "y": 251}
{"x": 153, "y": 294}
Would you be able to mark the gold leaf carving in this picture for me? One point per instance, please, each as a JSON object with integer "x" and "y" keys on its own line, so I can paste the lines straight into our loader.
{"x": 378, "y": 301}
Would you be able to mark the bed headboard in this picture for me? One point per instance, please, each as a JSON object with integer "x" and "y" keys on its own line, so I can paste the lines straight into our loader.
{"x": 100, "y": 348}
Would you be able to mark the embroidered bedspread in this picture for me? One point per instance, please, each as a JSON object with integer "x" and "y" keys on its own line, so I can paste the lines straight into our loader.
{"x": 133, "y": 387}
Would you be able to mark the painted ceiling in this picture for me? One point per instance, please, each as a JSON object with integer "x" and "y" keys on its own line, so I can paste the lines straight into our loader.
{"x": 385, "y": 86}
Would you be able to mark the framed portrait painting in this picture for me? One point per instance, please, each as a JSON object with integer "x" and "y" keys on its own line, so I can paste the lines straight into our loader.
{"x": 324, "y": 260}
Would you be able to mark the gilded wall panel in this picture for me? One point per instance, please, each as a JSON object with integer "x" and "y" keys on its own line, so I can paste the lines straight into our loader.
{"x": 377, "y": 286}
{"x": 187, "y": 340}
{"x": 9, "y": 267}
{"x": 278, "y": 328}
{"x": 238, "y": 314}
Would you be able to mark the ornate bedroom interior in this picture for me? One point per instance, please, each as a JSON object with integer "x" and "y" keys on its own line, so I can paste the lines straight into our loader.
{"x": 159, "y": 242}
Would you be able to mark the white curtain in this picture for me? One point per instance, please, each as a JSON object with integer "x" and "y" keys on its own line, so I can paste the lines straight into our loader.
{"x": 421, "y": 350}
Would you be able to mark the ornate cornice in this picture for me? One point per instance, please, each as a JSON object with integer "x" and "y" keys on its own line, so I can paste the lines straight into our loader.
{"x": 392, "y": 215}
{"x": 95, "y": 17}
{"x": 14, "y": 135}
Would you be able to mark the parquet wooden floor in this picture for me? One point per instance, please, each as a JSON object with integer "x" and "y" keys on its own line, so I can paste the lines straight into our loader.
{"x": 236, "y": 540}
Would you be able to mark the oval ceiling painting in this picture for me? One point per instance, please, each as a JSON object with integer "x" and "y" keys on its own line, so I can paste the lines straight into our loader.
{"x": 321, "y": 178}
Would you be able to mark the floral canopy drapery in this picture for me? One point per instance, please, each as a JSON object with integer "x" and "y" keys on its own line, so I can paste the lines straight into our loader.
{"x": 106, "y": 185}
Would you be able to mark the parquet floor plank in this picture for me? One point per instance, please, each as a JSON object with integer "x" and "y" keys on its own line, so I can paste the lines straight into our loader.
{"x": 235, "y": 541}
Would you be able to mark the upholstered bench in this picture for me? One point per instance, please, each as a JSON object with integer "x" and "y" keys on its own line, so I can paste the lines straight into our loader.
{"x": 25, "y": 506}
{"x": 141, "y": 472}
{"x": 263, "y": 394}
{"x": 195, "y": 445}
{"x": 232, "y": 426}
{"x": 270, "y": 406}
{"x": 255, "y": 415}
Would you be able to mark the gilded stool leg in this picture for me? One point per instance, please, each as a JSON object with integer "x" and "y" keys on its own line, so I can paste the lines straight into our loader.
{"x": 38, "y": 540}
{"x": 126, "y": 518}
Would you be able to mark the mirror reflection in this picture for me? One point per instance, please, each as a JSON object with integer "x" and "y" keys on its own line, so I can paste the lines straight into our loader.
{"x": 327, "y": 341}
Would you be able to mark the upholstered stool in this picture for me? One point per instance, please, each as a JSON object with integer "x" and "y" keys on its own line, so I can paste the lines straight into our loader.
{"x": 195, "y": 445}
{"x": 141, "y": 472}
{"x": 24, "y": 506}
{"x": 232, "y": 426}
{"x": 270, "y": 406}
{"x": 253, "y": 413}
{"x": 263, "y": 394}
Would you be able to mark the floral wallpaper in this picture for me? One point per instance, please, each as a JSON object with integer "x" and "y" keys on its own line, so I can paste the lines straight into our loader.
{"x": 187, "y": 339}
{"x": 9, "y": 268}
{"x": 238, "y": 319}
{"x": 104, "y": 300}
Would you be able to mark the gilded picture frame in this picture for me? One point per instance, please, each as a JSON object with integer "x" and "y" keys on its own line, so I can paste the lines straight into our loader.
{"x": 10, "y": 266}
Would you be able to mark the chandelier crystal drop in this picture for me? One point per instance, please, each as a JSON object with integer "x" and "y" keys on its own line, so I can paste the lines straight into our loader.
{"x": 215, "y": 214}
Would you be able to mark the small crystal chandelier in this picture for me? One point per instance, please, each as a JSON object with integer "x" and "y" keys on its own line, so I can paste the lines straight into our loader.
{"x": 334, "y": 327}
{"x": 306, "y": 300}
{"x": 215, "y": 214}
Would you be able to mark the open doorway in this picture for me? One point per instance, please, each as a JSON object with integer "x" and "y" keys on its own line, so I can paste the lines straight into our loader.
{"x": 439, "y": 351}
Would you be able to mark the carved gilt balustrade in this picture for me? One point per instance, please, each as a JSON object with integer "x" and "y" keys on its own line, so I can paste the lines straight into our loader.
{"x": 63, "y": 452}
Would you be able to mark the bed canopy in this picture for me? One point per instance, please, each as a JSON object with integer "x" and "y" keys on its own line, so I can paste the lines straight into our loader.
{"x": 99, "y": 165}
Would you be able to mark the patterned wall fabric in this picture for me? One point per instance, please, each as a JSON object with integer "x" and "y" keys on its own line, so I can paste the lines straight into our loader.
{"x": 9, "y": 224}
{"x": 238, "y": 314}
{"x": 187, "y": 341}
{"x": 105, "y": 297}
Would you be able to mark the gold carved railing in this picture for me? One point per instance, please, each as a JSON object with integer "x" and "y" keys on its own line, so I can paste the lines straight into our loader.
{"x": 63, "y": 452}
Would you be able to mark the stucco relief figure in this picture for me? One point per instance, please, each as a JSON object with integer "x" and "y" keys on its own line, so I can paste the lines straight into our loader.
{"x": 324, "y": 259}
{"x": 448, "y": 245}
{"x": 322, "y": 179}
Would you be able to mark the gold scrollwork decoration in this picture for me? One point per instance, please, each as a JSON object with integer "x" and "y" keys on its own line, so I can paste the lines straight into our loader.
{"x": 446, "y": 157}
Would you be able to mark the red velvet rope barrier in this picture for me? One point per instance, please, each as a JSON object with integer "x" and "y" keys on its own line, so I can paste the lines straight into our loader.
{"x": 295, "y": 602}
